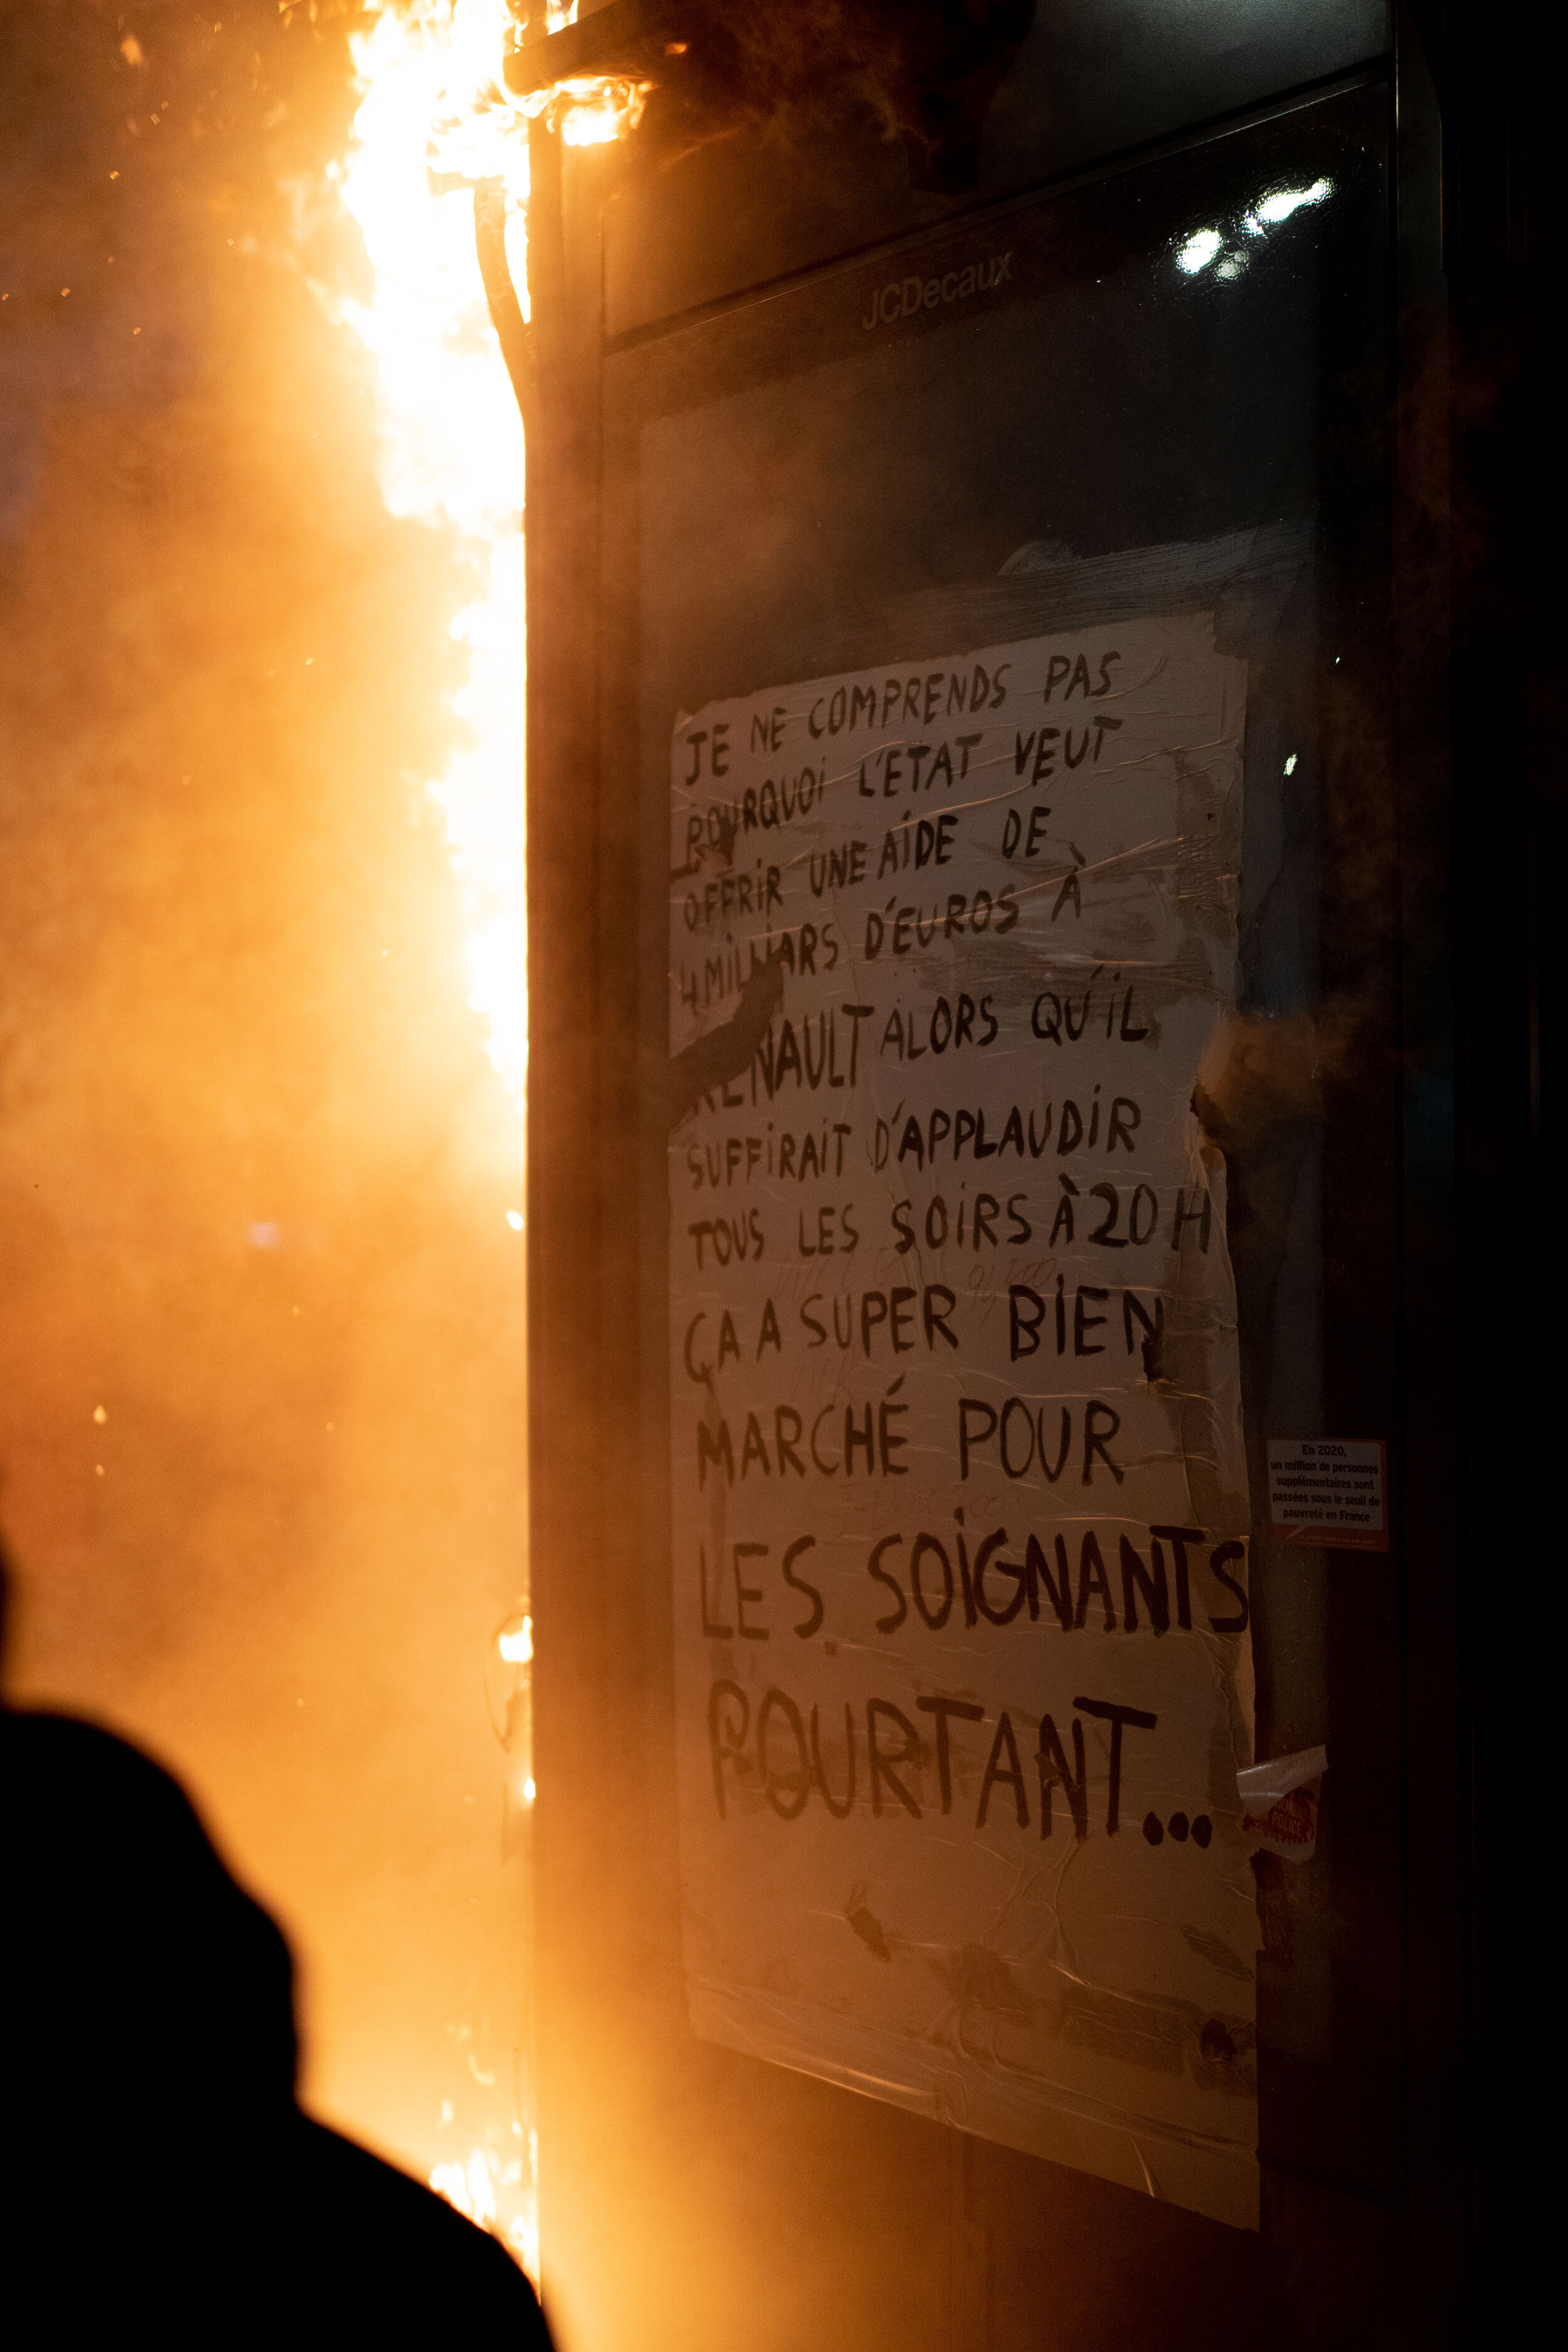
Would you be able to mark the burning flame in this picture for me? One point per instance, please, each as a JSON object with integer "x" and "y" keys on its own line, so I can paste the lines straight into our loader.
{"x": 475, "y": 2189}
{"x": 469, "y": 2186}
{"x": 517, "y": 1648}
{"x": 588, "y": 113}
{"x": 433, "y": 120}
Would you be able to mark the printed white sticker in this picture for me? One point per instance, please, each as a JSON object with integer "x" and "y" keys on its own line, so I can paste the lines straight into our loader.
{"x": 1331, "y": 1494}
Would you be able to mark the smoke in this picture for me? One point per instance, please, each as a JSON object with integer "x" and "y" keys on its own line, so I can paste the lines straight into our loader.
{"x": 261, "y": 1403}
{"x": 925, "y": 70}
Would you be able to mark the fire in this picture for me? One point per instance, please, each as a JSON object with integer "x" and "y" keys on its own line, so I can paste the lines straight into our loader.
{"x": 587, "y": 113}
{"x": 517, "y": 1648}
{"x": 434, "y": 121}
{"x": 468, "y": 2186}
{"x": 475, "y": 2189}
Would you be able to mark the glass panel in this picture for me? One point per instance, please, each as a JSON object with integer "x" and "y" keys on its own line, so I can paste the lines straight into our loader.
{"x": 1160, "y": 395}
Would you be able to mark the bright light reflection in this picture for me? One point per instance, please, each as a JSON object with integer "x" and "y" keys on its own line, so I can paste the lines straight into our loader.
{"x": 1199, "y": 251}
{"x": 1205, "y": 245}
{"x": 1285, "y": 201}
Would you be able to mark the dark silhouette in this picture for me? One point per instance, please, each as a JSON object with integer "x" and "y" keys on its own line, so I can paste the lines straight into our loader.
{"x": 158, "y": 2168}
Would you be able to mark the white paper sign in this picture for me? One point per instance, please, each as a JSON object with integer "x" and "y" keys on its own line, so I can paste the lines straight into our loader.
{"x": 1329, "y": 1493}
{"x": 959, "y": 1495}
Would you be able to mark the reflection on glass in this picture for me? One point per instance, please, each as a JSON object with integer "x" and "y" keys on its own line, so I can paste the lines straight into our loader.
{"x": 1206, "y": 246}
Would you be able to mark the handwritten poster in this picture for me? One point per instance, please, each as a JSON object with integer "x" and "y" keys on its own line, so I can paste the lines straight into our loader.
{"x": 959, "y": 1494}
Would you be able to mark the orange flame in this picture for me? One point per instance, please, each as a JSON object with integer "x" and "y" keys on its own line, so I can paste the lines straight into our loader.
{"x": 432, "y": 117}
{"x": 433, "y": 120}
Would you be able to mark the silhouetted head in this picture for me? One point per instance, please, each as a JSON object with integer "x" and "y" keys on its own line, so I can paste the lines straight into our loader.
{"x": 150, "y": 2001}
